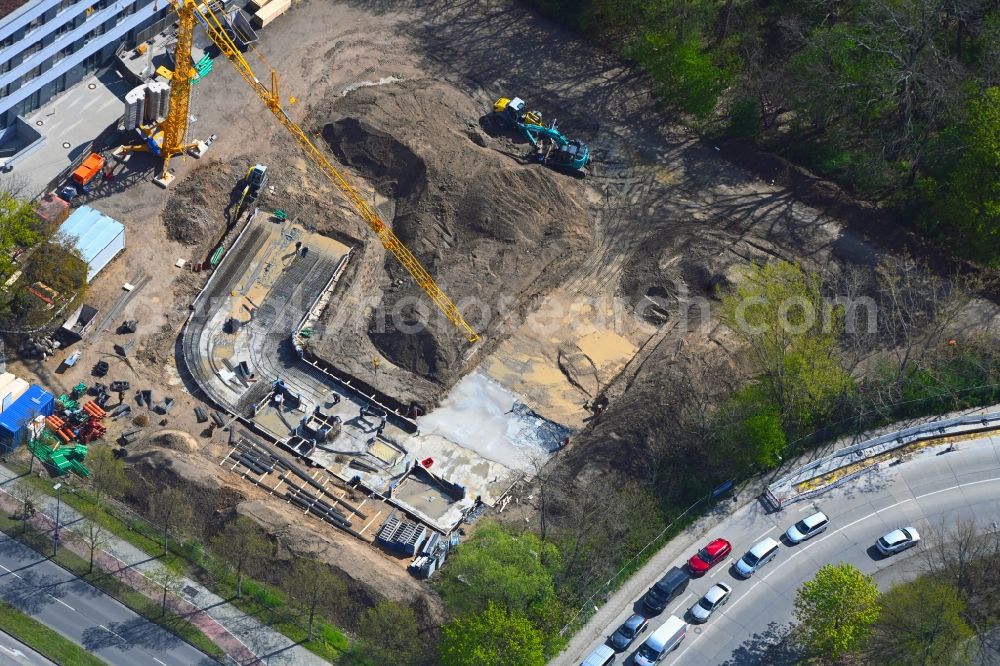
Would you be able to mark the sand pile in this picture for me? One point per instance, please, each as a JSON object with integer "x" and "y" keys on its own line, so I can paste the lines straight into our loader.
{"x": 174, "y": 440}
{"x": 494, "y": 233}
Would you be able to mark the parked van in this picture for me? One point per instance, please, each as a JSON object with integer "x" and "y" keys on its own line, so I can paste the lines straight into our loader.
{"x": 662, "y": 641}
{"x": 762, "y": 553}
{"x": 666, "y": 589}
{"x": 601, "y": 656}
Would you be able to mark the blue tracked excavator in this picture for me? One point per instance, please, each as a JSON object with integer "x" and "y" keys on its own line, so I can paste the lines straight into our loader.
{"x": 552, "y": 147}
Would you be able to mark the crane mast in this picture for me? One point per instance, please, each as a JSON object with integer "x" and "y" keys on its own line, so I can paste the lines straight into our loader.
{"x": 175, "y": 125}
{"x": 188, "y": 11}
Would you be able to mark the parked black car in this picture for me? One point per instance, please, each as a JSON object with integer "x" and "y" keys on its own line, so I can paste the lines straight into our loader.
{"x": 666, "y": 589}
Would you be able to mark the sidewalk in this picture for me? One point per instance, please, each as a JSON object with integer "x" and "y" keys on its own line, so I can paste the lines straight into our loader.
{"x": 243, "y": 637}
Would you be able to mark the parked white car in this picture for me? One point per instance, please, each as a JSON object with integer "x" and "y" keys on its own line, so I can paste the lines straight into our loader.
{"x": 808, "y": 527}
{"x": 897, "y": 541}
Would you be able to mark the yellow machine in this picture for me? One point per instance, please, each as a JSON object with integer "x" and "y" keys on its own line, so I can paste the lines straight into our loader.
{"x": 514, "y": 112}
{"x": 188, "y": 11}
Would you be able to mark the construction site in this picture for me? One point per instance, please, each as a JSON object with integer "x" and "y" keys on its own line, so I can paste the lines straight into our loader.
{"x": 391, "y": 263}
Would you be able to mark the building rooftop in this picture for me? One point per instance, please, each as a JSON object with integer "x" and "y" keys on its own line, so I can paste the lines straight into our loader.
{"x": 69, "y": 123}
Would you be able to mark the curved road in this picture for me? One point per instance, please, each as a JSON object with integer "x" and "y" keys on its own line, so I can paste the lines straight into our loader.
{"x": 932, "y": 488}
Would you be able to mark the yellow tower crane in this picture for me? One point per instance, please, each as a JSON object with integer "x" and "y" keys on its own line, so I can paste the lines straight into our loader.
{"x": 188, "y": 11}
{"x": 166, "y": 139}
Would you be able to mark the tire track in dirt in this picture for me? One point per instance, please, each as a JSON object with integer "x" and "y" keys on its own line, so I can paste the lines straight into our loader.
{"x": 624, "y": 193}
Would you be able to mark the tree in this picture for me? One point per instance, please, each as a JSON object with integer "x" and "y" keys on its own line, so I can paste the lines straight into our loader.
{"x": 836, "y": 610}
{"x": 921, "y": 624}
{"x": 750, "y": 435}
{"x": 30, "y": 499}
{"x": 790, "y": 334}
{"x": 18, "y": 224}
{"x": 389, "y": 633}
{"x": 967, "y": 200}
{"x": 494, "y": 637}
{"x": 108, "y": 475}
{"x": 497, "y": 565}
{"x": 92, "y": 532}
{"x": 169, "y": 581}
{"x": 683, "y": 70}
{"x": 172, "y": 510}
{"x": 315, "y": 587}
{"x": 244, "y": 548}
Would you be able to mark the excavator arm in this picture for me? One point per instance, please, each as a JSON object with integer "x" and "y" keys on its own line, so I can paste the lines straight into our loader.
{"x": 214, "y": 29}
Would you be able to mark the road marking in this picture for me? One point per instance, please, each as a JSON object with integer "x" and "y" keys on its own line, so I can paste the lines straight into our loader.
{"x": 10, "y": 572}
{"x": 681, "y": 604}
{"x": 158, "y": 661}
{"x": 773, "y": 527}
{"x": 807, "y": 507}
{"x": 63, "y": 603}
{"x": 112, "y": 633}
{"x": 741, "y": 598}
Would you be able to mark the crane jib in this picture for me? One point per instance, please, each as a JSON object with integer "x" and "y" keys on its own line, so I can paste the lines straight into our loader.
{"x": 213, "y": 28}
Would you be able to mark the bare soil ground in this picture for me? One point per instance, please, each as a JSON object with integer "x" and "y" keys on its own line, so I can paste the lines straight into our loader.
{"x": 569, "y": 267}
{"x": 489, "y": 230}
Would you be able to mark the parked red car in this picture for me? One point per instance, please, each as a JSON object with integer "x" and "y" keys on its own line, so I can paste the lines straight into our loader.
{"x": 709, "y": 556}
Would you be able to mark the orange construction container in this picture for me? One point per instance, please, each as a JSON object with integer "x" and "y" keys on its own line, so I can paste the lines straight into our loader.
{"x": 90, "y": 168}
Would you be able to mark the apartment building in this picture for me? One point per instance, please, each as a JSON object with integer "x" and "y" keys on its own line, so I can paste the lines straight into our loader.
{"x": 47, "y": 46}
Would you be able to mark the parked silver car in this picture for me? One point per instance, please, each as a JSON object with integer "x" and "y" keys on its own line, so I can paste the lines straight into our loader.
{"x": 897, "y": 541}
{"x": 763, "y": 552}
{"x": 808, "y": 527}
{"x": 716, "y": 596}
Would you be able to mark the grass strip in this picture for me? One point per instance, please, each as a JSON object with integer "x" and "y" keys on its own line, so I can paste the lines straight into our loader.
{"x": 43, "y": 640}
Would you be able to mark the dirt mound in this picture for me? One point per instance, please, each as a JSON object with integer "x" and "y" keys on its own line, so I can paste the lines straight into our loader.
{"x": 392, "y": 167}
{"x": 174, "y": 440}
{"x": 194, "y": 215}
{"x": 493, "y": 232}
{"x": 205, "y": 486}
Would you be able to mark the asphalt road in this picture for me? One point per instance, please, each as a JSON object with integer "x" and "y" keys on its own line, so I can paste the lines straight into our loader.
{"x": 934, "y": 488}
{"x": 84, "y": 614}
{"x": 15, "y": 653}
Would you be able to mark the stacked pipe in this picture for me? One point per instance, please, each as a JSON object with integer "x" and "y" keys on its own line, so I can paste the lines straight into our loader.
{"x": 252, "y": 463}
{"x": 249, "y": 447}
{"x": 94, "y": 410}
{"x": 319, "y": 508}
{"x": 60, "y": 428}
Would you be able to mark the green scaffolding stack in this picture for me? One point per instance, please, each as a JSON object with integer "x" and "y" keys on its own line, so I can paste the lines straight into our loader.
{"x": 62, "y": 459}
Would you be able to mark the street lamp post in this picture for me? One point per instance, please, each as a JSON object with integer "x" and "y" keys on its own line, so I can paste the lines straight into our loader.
{"x": 55, "y": 539}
